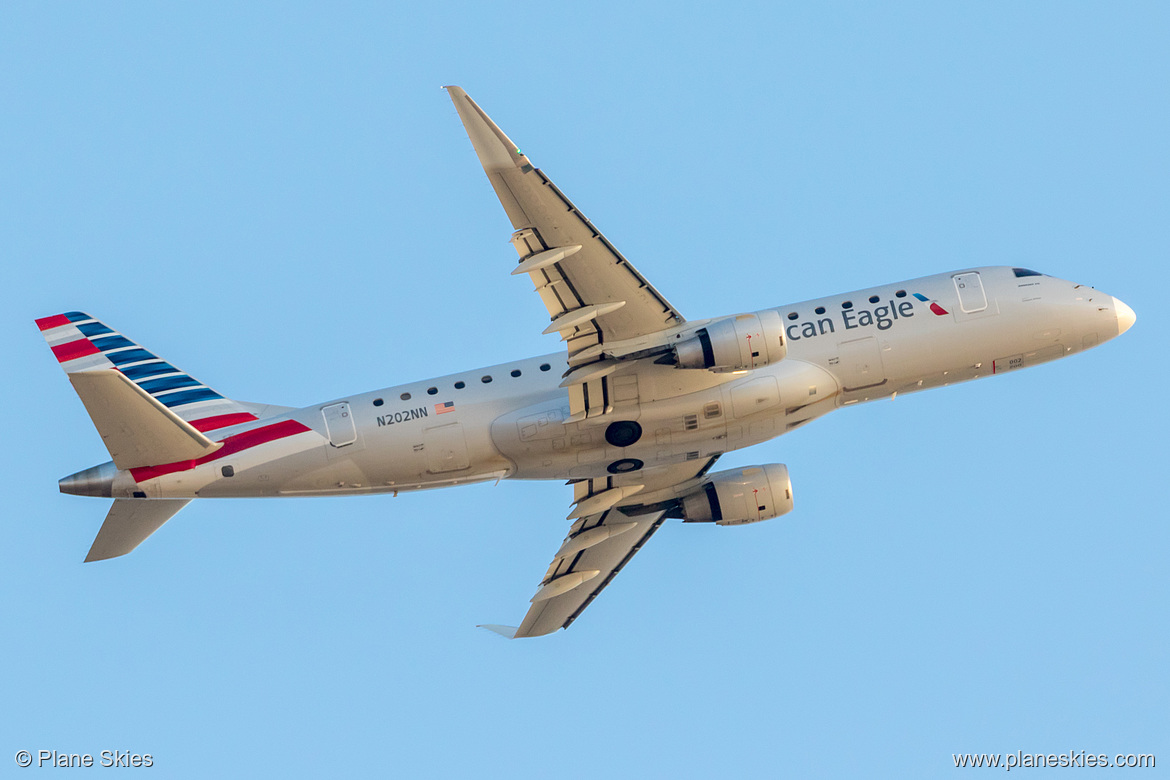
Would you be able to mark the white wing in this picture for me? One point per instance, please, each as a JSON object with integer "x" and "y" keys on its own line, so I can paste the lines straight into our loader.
{"x": 600, "y": 544}
{"x": 593, "y": 294}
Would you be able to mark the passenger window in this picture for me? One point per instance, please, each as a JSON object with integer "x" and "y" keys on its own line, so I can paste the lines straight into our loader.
{"x": 432, "y": 390}
{"x": 792, "y": 315}
{"x": 377, "y": 402}
{"x": 460, "y": 385}
{"x": 515, "y": 372}
{"x": 545, "y": 366}
{"x": 405, "y": 396}
{"x": 820, "y": 310}
{"x": 873, "y": 299}
{"x": 847, "y": 305}
{"x": 485, "y": 379}
{"x": 900, "y": 293}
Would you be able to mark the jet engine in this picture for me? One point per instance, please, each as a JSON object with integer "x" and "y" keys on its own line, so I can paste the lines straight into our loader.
{"x": 740, "y": 496}
{"x": 738, "y": 343}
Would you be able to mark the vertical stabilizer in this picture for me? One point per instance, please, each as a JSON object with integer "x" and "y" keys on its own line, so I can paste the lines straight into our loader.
{"x": 82, "y": 344}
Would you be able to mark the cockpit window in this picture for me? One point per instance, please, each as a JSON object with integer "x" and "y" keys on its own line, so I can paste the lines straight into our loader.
{"x": 1025, "y": 272}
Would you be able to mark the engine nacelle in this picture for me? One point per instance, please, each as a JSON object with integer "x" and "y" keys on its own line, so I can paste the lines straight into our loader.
{"x": 740, "y": 496}
{"x": 738, "y": 343}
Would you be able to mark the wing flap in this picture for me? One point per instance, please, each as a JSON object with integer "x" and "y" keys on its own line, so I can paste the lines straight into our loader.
{"x": 129, "y": 523}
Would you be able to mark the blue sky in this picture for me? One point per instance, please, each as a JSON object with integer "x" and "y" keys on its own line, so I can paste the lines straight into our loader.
{"x": 280, "y": 200}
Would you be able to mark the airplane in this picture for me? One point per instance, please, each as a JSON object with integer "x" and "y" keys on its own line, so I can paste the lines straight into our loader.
{"x": 633, "y": 413}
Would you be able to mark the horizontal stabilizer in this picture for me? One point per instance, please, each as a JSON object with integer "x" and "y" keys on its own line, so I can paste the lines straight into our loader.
{"x": 135, "y": 427}
{"x": 129, "y": 523}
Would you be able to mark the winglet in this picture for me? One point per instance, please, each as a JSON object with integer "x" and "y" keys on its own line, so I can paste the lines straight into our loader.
{"x": 507, "y": 632}
{"x": 495, "y": 150}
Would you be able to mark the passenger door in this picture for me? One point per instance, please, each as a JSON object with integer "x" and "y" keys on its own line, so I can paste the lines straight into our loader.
{"x": 972, "y": 297}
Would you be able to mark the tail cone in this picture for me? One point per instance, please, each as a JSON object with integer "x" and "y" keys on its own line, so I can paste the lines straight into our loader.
{"x": 96, "y": 481}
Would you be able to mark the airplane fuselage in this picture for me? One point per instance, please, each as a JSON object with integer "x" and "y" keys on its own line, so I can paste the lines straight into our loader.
{"x": 511, "y": 420}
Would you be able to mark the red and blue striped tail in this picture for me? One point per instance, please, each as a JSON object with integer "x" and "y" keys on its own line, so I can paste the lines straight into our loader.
{"x": 81, "y": 343}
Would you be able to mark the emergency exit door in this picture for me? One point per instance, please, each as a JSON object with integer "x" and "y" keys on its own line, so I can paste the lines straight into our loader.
{"x": 859, "y": 364}
{"x": 339, "y": 424}
{"x": 445, "y": 448}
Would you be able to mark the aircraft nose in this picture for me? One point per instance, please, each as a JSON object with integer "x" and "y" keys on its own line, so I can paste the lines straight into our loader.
{"x": 1125, "y": 316}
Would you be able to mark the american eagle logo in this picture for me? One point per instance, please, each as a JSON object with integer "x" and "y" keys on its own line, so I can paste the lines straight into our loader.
{"x": 934, "y": 307}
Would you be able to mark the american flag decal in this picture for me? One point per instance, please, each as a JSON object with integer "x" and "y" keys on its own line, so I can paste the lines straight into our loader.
{"x": 443, "y": 408}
